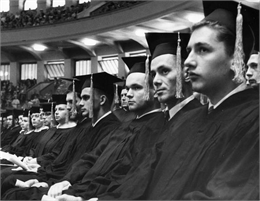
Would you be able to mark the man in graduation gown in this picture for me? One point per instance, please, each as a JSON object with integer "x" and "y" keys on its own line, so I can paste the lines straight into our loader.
{"x": 210, "y": 154}
{"x": 13, "y": 128}
{"x": 253, "y": 69}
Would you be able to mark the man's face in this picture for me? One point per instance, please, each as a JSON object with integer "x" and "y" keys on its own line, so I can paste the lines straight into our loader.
{"x": 25, "y": 123}
{"x": 9, "y": 120}
{"x": 164, "y": 75}
{"x": 253, "y": 70}
{"x": 20, "y": 119}
{"x": 46, "y": 117}
{"x": 69, "y": 99}
{"x": 36, "y": 120}
{"x": 124, "y": 99}
{"x": 61, "y": 113}
{"x": 208, "y": 63}
{"x": 85, "y": 101}
{"x": 135, "y": 85}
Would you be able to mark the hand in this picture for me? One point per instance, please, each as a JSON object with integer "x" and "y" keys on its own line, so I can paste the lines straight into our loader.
{"x": 33, "y": 167}
{"x": 27, "y": 159}
{"x": 21, "y": 184}
{"x": 40, "y": 184}
{"x": 66, "y": 197}
{"x": 17, "y": 169}
{"x": 31, "y": 182}
{"x": 47, "y": 198}
{"x": 56, "y": 189}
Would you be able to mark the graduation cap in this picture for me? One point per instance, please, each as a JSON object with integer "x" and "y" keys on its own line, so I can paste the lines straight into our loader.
{"x": 3, "y": 114}
{"x": 167, "y": 43}
{"x": 139, "y": 65}
{"x": 75, "y": 83}
{"x": 17, "y": 112}
{"x": 102, "y": 81}
{"x": 43, "y": 100}
{"x": 170, "y": 43}
{"x": 243, "y": 22}
{"x": 135, "y": 64}
{"x": 9, "y": 111}
{"x": 46, "y": 107}
{"x": 35, "y": 109}
{"x": 59, "y": 99}
{"x": 26, "y": 113}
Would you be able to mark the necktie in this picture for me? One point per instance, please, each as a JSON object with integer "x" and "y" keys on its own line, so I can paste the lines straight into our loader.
{"x": 210, "y": 110}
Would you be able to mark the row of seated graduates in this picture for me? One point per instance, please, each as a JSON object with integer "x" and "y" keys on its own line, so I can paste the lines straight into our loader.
{"x": 86, "y": 180}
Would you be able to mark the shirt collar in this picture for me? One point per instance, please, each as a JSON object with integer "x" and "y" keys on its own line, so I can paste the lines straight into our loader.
{"x": 108, "y": 113}
{"x": 152, "y": 111}
{"x": 239, "y": 88}
{"x": 173, "y": 111}
{"x": 67, "y": 125}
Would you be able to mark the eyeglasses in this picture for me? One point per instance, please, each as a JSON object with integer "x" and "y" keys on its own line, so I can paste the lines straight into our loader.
{"x": 35, "y": 115}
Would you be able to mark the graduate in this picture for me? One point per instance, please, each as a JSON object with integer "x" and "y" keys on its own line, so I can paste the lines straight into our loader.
{"x": 13, "y": 127}
{"x": 212, "y": 152}
{"x": 253, "y": 69}
{"x": 120, "y": 108}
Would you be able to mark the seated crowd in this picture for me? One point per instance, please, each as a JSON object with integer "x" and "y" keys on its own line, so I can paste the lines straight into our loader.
{"x": 159, "y": 142}
{"x": 39, "y": 17}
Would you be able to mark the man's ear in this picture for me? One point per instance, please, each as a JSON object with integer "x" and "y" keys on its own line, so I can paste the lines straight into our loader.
{"x": 102, "y": 99}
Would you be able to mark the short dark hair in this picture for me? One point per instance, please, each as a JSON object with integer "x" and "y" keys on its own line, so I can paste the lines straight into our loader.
{"x": 224, "y": 35}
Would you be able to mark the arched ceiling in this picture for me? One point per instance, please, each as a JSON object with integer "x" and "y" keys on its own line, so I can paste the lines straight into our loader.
{"x": 65, "y": 40}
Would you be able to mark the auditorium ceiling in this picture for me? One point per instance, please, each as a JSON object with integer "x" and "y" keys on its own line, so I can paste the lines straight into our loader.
{"x": 126, "y": 37}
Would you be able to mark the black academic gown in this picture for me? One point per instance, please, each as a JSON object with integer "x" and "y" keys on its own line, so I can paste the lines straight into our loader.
{"x": 204, "y": 156}
{"x": 9, "y": 135}
{"x": 47, "y": 150}
{"x": 95, "y": 135}
{"x": 123, "y": 115}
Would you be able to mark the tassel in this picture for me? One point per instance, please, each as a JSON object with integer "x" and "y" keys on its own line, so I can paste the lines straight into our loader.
{"x": 179, "y": 70}
{"x": 238, "y": 65}
{"x": 147, "y": 88}
{"x": 91, "y": 99}
{"x": 73, "y": 109}
{"x": 116, "y": 95}
{"x": 30, "y": 121}
{"x": 53, "y": 124}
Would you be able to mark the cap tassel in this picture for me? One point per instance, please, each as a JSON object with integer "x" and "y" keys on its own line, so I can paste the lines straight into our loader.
{"x": 91, "y": 99}
{"x": 53, "y": 122}
{"x": 73, "y": 109}
{"x": 30, "y": 121}
{"x": 116, "y": 95}
{"x": 147, "y": 88}
{"x": 238, "y": 65}
{"x": 179, "y": 70}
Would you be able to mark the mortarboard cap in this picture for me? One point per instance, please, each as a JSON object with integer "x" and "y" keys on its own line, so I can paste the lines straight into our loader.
{"x": 167, "y": 43}
{"x": 17, "y": 112}
{"x": 43, "y": 100}
{"x": 35, "y": 109}
{"x": 3, "y": 114}
{"x": 76, "y": 82}
{"x": 9, "y": 111}
{"x": 46, "y": 107}
{"x": 26, "y": 112}
{"x": 59, "y": 99}
{"x": 225, "y": 13}
{"x": 102, "y": 81}
{"x": 135, "y": 64}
